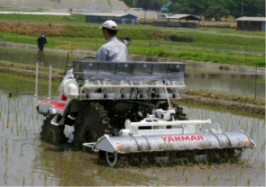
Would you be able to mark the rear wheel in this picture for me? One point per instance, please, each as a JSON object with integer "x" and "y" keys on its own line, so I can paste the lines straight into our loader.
{"x": 51, "y": 133}
{"x": 94, "y": 123}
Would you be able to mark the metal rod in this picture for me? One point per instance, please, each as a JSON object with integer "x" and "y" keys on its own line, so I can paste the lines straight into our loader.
{"x": 256, "y": 82}
{"x": 36, "y": 82}
{"x": 168, "y": 100}
{"x": 66, "y": 62}
{"x": 172, "y": 123}
{"x": 50, "y": 84}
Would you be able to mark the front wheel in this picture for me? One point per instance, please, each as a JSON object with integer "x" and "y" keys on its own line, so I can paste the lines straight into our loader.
{"x": 51, "y": 133}
{"x": 111, "y": 159}
{"x": 94, "y": 123}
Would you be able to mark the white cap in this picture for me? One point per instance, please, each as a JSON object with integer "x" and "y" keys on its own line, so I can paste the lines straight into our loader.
{"x": 109, "y": 24}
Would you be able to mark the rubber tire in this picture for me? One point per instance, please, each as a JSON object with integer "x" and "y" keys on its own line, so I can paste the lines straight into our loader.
{"x": 51, "y": 133}
{"x": 93, "y": 124}
{"x": 114, "y": 162}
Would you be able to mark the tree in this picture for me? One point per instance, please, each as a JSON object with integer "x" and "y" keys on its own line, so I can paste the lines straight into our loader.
{"x": 217, "y": 12}
{"x": 251, "y": 7}
{"x": 248, "y": 7}
{"x": 217, "y": 9}
{"x": 189, "y": 7}
{"x": 220, "y": 8}
{"x": 261, "y": 8}
{"x": 207, "y": 8}
{"x": 146, "y": 4}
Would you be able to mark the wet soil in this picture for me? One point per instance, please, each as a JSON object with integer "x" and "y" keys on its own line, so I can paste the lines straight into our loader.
{"x": 226, "y": 174}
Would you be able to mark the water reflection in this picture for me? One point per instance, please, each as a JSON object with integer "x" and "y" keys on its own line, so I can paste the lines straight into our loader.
{"x": 41, "y": 57}
{"x": 56, "y": 59}
{"x": 246, "y": 83}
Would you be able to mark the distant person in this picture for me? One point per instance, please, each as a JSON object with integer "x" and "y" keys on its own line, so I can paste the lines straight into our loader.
{"x": 41, "y": 42}
{"x": 113, "y": 50}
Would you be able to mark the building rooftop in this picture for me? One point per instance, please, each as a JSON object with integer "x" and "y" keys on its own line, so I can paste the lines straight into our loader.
{"x": 109, "y": 14}
{"x": 184, "y": 16}
{"x": 251, "y": 19}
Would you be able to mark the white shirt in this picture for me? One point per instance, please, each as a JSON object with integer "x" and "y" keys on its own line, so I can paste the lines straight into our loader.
{"x": 113, "y": 50}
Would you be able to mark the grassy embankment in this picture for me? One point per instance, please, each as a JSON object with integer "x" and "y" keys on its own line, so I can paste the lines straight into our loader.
{"x": 19, "y": 79}
{"x": 226, "y": 46}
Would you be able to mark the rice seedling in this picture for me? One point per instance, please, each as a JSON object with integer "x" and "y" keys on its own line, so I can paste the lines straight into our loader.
{"x": 24, "y": 181}
{"x": 6, "y": 173}
{"x": 248, "y": 182}
{"x": 77, "y": 156}
{"x": 8, "y": 114}
{"x": 214, "y": 182}
{"x": 92, "y": 179}
{"x": 237, "y": 180}
{"x": 62, "y": 181}
{"x": 115, "y": 178}
{"x": 168, "y": 181}
{"x": 209, "y": 175}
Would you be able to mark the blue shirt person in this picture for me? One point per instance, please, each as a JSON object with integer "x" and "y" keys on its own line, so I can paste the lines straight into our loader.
{"x": 113, "y": 50}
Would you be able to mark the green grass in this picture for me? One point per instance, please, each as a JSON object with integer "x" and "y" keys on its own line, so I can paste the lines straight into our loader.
{"x": 19, "y": 84}
{"x": 226, "y": 46}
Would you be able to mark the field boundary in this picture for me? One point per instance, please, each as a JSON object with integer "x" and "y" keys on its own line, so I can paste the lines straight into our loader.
{"x": 135, "y": 57}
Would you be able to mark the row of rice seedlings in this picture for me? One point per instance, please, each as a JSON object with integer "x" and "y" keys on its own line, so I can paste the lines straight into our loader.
{"x": 252, "y": 126}
{"x": 114, "y": 178}
{"x": 15, "y": 116}
{"x": 229, "y": 122}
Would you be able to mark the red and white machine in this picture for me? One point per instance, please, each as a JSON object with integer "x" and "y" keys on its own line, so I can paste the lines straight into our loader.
{"x": 120, "y": 109}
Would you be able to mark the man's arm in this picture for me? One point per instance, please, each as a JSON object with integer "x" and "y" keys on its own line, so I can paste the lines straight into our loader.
{"x": 101, "y": 54}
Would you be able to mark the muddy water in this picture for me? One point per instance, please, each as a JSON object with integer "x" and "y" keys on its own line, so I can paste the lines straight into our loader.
{"x": 240, "y": 82}
{"x": 46, "y": 58}
{"x": 27, "y": 160}
{"x": 246, "y": 83}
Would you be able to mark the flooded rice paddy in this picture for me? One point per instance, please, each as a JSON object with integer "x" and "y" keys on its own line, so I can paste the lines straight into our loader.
{"x": 27, "y": 160}
{"x": 240, "y": 82}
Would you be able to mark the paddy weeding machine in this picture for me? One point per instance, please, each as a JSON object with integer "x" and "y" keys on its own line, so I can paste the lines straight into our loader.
{"x": 123, "y": 110}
